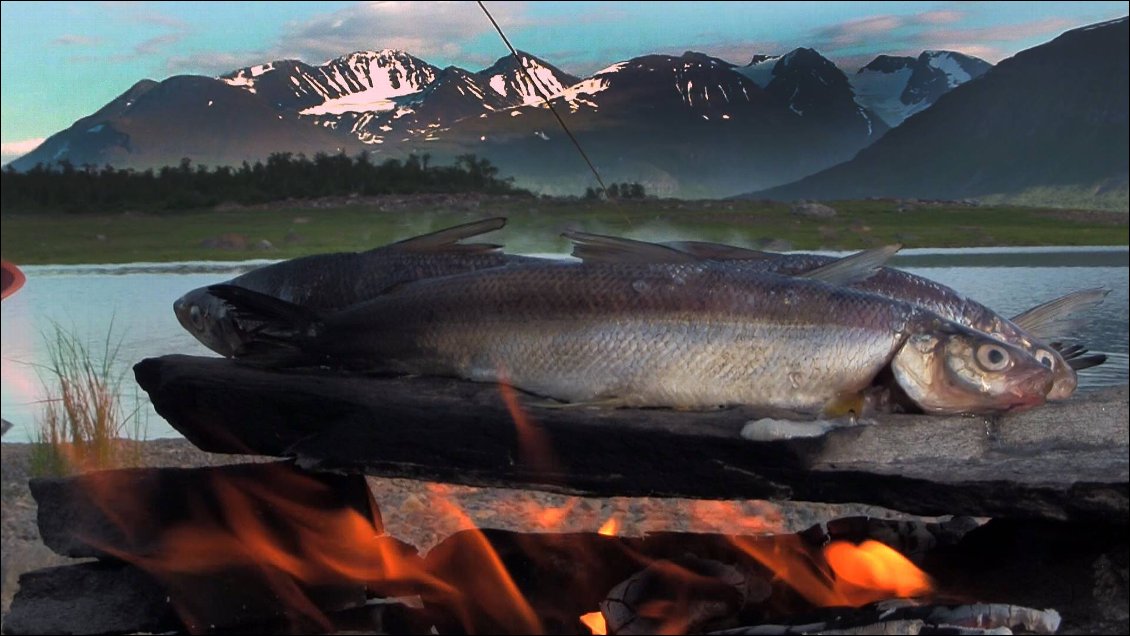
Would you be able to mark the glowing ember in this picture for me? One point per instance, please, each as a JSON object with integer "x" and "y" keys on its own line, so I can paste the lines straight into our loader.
{"x": 610, "y": 528}
{"x": 876, "y": 570}
{"x": 595, "y": 622}
{"x": 844, "y": 575}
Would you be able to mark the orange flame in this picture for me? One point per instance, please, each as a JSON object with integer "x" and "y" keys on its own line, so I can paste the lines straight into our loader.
{"x": 875, "y": 571}
{"x": 610, "y": 528}
{"x": 278, "y": 526}
{"x": 595, "y": 622}
{"x": 844, "y": 574}
{"x": 534, "y": 447}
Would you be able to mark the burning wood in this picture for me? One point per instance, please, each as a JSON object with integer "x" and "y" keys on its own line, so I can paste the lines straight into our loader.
{"x": 264, "y": 554}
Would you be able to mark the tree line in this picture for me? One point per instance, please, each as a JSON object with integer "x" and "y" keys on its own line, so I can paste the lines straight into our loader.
{"x": 63, "y": 187}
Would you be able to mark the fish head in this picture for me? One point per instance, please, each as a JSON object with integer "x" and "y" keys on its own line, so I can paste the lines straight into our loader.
{"x": 209, "y": 320}
{"x": 950, "y": 369}
{"x": 1064, "y": 378}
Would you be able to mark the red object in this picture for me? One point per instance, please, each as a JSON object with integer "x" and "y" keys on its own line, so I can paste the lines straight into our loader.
{"x": 13, "y": 279}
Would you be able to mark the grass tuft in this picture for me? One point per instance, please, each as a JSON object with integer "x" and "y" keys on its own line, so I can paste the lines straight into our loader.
{"x": 83, "y": 425}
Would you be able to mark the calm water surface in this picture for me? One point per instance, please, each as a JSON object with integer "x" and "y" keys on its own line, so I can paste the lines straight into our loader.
{"x": 136, "y": 300}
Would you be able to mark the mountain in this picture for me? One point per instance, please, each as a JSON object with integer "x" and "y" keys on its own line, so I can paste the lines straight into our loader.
{"x": 1048, "y": 124}
{"x": 362, "y": 81}
{"x": 895, "y": 88}
{"x": 688, "y": 125}
{"x": 157, "y": 124}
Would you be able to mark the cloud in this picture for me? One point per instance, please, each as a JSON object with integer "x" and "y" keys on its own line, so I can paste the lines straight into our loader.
{"x": 425, "y": 29}
{"x": 76, "y": 40}
{"x": 937, "y": 17}
{"x": 212, "y": 63}
{"x": 1048, "y": 27}
{"x": 11, "y": 150}
{"x": 858, "y": 31}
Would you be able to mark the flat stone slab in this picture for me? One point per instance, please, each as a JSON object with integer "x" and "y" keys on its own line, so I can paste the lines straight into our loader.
{"x": 1066, "y": 461}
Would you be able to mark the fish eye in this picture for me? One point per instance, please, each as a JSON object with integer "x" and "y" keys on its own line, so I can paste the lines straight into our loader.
{"x": 992, "y": 357}
{"x": 195, "y": 317}
{"x": 1045, "y": 358}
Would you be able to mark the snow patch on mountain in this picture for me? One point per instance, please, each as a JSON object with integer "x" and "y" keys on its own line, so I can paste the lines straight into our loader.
{"x": 946, "y": 63}
{"x": 761, "y": 70}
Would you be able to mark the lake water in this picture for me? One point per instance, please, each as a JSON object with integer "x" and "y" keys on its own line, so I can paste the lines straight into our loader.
{"x": 136, "y": 299}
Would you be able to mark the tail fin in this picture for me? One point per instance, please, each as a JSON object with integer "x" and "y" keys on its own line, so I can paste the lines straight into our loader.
{"x": 1059, "y": 317}
{"x": 273, "y": 332}
{"x": 1076, "y": 358}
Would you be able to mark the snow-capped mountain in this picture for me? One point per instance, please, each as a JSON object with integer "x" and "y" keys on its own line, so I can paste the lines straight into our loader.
{"x": 530, "y": 84}
{"x": 897, "y": 87}
{"x": 682, "y": 125}
{"x": 1050, "y": 122}
{"x": 811, "y": 85}
{"x": 686, "y": 124}
{"x": 363, "y": 81}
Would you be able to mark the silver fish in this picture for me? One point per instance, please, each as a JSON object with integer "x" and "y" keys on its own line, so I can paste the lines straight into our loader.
{"x": 337, "y": 280}
{"x": 684, "y": 335}
{"x": 1049, "y": 319}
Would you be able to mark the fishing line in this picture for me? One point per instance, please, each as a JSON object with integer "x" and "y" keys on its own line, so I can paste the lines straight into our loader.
{"x": 526, "y": 71}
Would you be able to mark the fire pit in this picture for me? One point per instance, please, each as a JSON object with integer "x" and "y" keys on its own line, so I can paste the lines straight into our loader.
{"x": 1015, "y": 523}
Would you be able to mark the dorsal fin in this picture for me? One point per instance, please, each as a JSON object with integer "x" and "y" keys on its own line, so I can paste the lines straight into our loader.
{"x": 447, "y": 239}
{"x": 720, "y": 251}
{"x": 598, "y": 248}
{"x": 1060, "y": 317}
{"x": 845, "y": 271}
{"x": 854, "y": 268}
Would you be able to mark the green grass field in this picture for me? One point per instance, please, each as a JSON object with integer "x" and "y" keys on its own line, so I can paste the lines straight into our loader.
{"x": 534, "y": 226}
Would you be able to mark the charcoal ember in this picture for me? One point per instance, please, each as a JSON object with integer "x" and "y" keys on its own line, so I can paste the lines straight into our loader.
{"x": 89, "y": 598}
{"x": 686, "y": 595}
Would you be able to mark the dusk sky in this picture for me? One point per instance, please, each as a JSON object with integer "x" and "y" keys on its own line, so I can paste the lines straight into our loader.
{"x": 63, "y": 60}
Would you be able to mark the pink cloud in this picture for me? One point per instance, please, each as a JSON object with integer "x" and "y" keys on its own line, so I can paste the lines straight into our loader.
{"x": 937, "y": 17}
{"x": 1048, "y": 27}
{"x": 856, "y": 31}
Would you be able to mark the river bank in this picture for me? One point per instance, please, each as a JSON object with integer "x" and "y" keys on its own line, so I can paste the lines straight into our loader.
{"x": 296, "y": 228}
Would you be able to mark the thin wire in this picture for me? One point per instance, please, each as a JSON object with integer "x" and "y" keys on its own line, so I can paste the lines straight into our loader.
{"x": 514, "y": 52}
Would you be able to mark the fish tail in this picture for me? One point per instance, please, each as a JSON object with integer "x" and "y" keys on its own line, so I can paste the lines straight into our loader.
{"x": 275, "y": 332}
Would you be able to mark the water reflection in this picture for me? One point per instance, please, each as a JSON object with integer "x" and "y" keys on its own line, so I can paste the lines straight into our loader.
{"x": 137, "y": 300}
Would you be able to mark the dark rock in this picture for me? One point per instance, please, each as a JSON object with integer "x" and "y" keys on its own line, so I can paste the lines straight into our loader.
{"x": 1065, "y": 460}
{"x": 812, "y": 210}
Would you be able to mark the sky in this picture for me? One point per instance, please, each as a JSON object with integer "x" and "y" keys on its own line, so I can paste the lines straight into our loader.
{"x": 60, "y": 61}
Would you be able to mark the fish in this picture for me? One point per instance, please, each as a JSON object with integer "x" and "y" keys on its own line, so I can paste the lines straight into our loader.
{"x": 1052, "y": 319}
{"x": 337, "y": 280}
{"x": 680, "y": 335}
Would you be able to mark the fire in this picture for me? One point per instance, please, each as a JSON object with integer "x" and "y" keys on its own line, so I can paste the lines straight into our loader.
{"x": 287, "y": 536}
{"x": 595, "y": 622}
{"x": 610, "y": 528}
{"x": 534, "y": 447}
{"x": 843, "y": 574}
{"x": 876, "y": 571}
